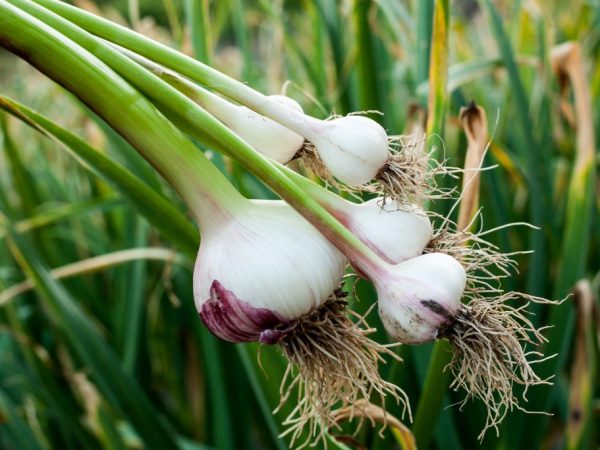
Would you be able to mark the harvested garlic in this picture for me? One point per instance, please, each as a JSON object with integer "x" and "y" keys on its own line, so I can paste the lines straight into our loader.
{"x": 419, "y": 298}
{"x": 272, "y": 261}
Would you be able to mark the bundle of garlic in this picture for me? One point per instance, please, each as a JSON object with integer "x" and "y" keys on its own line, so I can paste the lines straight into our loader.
{"x": 268, "y": 273}
{"x": 419, "y": 295}
{"x": 452, "y": 292}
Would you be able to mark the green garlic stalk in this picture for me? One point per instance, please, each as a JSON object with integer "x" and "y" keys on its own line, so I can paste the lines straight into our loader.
{"x": 354, "y": 149}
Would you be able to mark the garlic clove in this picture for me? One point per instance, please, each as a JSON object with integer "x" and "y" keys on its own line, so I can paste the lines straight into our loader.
{"x": 419, "y": 298}
{"x": 354, "y": 148}
{"x": 395, "y": 231}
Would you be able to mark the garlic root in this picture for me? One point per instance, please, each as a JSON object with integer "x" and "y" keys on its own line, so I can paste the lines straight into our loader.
{"x": 332, "y": 364}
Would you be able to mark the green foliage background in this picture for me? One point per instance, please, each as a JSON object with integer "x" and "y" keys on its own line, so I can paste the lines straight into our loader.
{"x": 117, "y": 358}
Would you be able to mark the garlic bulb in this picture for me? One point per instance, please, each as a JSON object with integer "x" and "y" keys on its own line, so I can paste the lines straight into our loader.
{"x": 263, "y": 134}
{"x": 263, "y": 265}
{"x": 395, "y": 231}
{"x": 419, "y": 298}
{"x": 354, "y": 148}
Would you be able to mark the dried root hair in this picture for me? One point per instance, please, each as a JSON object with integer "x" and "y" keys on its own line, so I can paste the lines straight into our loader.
{"x": 483, "y": 262}
{"x": 410, "y": 173}
{"x": 489, "y": 336}
{"x": 489, "y": 339}
{"x": 312, "y": 162}
{"x": 332, "y": 364}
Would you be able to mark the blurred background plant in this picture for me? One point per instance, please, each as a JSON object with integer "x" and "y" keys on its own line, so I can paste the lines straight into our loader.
{"x": 113, "y": 354}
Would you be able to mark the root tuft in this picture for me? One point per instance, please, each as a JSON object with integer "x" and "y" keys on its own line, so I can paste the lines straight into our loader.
{"x": 410, "y": 174}
{"x": 484, "y": 264}
{"x": 312, "y": 161}
{"x": 489, "y": 336}
{"x": 489, "y": 357}
{"x": 332, "y": 363}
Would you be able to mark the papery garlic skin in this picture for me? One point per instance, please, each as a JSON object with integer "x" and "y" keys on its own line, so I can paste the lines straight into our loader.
{"x": 263, "y": 134}
{"x": 395, "y": 231}
{"x": 419, "y": 298}
{"x": 235, "y": 320}
{"x": 354, "y": 148}
{"x": 270, "y": 257}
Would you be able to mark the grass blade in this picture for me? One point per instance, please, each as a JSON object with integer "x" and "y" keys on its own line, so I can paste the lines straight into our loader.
{"x": 22, "y": 180}
{"x": 583, "y": 370}
{"x": 438, "y": 74}
{"x": 568, "y": 64}
{"x": 130, "y": 287}
{"x": 536, "y": 171}
{"x": 152, "y": 205}
{"x": 424, "y": 21}
{"x": 91, "y": 265}
{"x": 198, "y": 23}
{"x": 93, "y": 350}
{"x": 14, "y": 432}
{"x": 366, "y": 62}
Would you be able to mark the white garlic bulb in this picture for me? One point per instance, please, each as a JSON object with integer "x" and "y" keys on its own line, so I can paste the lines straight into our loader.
{"x": 420, "y": 297}
{"x": 354, "y": 148}
{"x": 395, "y": 231}
{"x": 261, "y": 133}
{"x": 268, "y": 261}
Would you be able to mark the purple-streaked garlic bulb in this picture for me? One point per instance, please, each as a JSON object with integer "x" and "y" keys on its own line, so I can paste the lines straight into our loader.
{"x": 262, "y": 269}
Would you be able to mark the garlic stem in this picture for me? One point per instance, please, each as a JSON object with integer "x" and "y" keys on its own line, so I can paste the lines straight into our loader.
{"x": 197, "y": 121}
{"x": 315, "y": 130}
{"x": 263, "y": 134}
